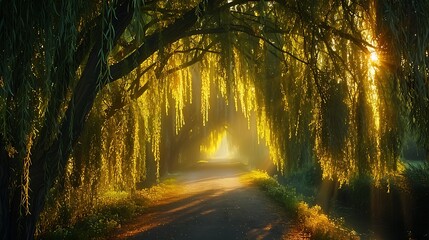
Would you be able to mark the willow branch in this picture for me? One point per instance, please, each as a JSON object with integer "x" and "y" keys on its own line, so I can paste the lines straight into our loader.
{"x": 250, "y": 32}
{"x": 151, "y": 44}
{"x": 362, "y": 44}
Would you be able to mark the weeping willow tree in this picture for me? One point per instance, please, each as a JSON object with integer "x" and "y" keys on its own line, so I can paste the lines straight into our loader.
{"x": 302, "y": 69}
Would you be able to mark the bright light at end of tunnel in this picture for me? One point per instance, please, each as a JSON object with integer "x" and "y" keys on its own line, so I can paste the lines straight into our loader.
{"x": 223, "y": 151}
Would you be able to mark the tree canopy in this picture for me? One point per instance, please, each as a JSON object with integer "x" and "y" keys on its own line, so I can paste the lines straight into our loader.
{"x": 334, "y": 83}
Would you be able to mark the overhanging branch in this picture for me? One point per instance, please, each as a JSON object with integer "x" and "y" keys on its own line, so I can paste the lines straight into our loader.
{"x": 168, "y": 35}
{"x": 249, "y": 31}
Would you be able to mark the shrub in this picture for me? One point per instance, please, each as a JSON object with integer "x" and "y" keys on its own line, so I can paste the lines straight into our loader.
{"x": 112, "y": 209}
{"x": 311, "y": 219}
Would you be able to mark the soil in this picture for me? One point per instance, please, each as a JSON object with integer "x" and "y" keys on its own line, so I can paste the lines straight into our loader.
{"x": 214, "y": 203}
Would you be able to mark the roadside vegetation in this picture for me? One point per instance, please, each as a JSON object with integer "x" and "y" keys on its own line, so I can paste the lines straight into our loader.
{"x": 111, "y": 210}
{"x": 370, "y": 207}
{"x": 311, "y": 219}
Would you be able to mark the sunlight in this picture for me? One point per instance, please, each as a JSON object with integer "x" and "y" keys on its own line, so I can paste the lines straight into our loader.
{"x": 373, "y": 92}
{"x": 223, "y": 150}
{"x": 373, "y": 57}
{"x": 374, "y": 100}
{"x": 218, "y": 147}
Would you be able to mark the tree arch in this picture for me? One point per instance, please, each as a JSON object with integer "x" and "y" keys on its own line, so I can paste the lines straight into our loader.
{"x": 292, "y": 62}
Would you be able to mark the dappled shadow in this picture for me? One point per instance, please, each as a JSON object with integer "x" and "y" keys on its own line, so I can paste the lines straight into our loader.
{"x": 211, "y": 215}
{"x": 213, "y": 206}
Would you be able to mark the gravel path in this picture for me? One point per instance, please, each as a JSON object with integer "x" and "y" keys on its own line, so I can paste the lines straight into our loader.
{"x": 213, "y": 204}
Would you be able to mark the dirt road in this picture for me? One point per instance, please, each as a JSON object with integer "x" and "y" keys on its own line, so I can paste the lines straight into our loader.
{"x": 214, "y": 204}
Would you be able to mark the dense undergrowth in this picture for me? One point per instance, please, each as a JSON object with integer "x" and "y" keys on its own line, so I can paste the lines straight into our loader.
{"x": 111, "y": 210}
{"x": 311, "y": 219}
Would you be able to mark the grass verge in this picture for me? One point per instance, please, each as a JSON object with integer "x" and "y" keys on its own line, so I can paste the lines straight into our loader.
{"x": 311, "y": 220}
{"x": 112, "y": 209}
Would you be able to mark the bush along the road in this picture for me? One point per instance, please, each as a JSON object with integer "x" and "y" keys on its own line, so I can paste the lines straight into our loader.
{"x": 112, "y": 209}
{"x": 311, "y": 219}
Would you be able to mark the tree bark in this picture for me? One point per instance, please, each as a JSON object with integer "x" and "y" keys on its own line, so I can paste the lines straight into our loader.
{"x": 4, "y": 190}
{"x": 48, "y": 164}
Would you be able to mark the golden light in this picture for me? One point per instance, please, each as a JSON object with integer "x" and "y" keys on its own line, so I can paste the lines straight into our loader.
{"x": 374, "y": 57}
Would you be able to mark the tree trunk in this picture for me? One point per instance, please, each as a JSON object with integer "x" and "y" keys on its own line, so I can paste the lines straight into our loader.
{"x": 4, "y": 191}
{"x": 48, "y": 164}
{"x": 151, "y": 169}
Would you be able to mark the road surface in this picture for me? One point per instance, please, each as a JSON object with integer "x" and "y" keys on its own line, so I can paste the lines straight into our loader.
{"x": 213, "y": 204}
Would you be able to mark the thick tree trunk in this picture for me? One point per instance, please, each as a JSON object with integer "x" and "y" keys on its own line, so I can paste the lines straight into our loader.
{"x": 4, "y": 191}
{"x": 48, "y": 164}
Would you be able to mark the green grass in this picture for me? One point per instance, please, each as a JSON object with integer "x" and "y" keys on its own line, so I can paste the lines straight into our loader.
{"x": 311, "y": 220}
{"x": 113, "y": 209}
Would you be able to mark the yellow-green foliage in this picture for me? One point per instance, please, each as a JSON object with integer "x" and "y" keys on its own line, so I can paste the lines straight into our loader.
{"x": 111, "y": 210}
{"x": 157, "y": 192}
{"x": 311, "y": 219}
{"x": 285, "y": 195}
{"x": 320, "y": 226}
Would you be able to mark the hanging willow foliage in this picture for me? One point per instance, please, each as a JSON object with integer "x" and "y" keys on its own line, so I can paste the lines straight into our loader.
{"x": 314, "y": 69}
{"x": 299, "y": 72}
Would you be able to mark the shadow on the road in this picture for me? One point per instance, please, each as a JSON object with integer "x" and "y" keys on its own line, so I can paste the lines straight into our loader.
{"x": 214, "y": 205}
{"x": 210, "y": 215}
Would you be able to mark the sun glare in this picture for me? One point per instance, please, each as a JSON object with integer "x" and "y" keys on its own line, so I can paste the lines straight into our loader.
{"x": 374, "y": 57}
{"x": 223, "y": 149}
